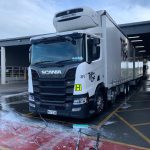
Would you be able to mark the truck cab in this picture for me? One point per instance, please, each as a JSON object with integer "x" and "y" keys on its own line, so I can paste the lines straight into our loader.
{"x": 64, "y": 74}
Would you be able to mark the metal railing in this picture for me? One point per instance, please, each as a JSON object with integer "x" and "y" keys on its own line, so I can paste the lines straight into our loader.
{"x": 15, "y": 73}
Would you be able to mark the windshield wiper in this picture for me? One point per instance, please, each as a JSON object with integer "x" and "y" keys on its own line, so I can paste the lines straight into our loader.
{"x": 62, "y": 61}
{"x": 42, "y": 62}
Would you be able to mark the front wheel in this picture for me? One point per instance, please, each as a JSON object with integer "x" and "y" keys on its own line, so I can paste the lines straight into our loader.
{"x": 99, "y": 101}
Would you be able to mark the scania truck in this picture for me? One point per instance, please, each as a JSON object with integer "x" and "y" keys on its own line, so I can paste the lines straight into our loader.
{"x": 76, "y": 71}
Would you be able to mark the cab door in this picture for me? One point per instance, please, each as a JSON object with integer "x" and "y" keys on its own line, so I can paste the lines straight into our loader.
{"x": 94, "y": 64}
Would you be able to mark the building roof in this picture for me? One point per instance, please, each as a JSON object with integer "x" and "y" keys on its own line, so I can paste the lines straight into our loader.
{"x": 141, "y": 29}
{"x": 139, "y": 33}
{"x": 25, "y": 40}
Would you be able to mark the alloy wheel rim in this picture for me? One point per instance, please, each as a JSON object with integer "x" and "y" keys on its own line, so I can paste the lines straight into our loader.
{"x": 100, "y": 104}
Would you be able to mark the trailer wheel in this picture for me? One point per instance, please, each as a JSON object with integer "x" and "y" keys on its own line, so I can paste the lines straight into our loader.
{"x": 99, "y": 100}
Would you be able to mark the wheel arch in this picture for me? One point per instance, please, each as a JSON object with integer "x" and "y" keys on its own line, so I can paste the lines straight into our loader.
{"x": 101, "y": 87}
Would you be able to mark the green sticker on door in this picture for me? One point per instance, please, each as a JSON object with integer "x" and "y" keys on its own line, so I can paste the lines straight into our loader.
{"x": 78, "y": 87}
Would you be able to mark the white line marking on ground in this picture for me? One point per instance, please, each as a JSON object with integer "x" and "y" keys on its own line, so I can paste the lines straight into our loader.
{"x": 13, "y": 95}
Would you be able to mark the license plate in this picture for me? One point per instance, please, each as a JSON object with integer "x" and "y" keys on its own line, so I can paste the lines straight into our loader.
{"x": 52, "y": 112}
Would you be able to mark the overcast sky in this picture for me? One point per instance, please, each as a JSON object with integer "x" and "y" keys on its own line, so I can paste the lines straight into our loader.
{"x": 30, "y": 17}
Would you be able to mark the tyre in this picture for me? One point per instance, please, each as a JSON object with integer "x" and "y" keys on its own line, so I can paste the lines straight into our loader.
{"x": 99, "y": 101}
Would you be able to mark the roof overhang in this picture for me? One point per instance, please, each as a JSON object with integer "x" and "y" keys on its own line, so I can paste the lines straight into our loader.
{"x": 15, "y": 41}
{"x": 139, "y": 35}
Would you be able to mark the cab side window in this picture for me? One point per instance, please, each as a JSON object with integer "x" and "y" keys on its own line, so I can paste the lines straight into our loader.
{"x": 93, "y": 49}
{"x": 96, "y": 52}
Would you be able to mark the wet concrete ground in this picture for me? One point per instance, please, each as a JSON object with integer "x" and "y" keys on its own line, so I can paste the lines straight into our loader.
{"x": 9, "y": 89}
{"x": 126, "y": 128}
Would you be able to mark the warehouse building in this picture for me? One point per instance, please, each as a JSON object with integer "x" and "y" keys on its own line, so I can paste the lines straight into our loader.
{"x": 15, "y": 51}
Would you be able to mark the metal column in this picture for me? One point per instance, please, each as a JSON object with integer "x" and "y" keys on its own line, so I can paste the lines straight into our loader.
{"x": 3, "y": 66}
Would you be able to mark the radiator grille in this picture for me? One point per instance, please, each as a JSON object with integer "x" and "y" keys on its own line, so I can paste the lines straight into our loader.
{"x": 54, "y": 90}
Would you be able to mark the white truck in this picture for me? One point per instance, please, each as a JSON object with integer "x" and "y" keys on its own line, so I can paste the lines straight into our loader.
{"x": 76, "y": 71}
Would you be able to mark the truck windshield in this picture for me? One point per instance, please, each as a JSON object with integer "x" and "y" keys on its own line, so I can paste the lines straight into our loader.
{"x": 57, "y": 51}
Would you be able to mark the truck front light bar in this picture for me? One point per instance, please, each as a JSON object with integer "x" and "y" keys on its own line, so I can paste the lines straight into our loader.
{"x": 31, "y": 98}
{"x": 80, "y": 101}
{"x": 32, "y": 105}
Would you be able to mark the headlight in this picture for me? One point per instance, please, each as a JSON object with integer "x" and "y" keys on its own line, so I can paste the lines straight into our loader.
{"x": 32, "y": 105}
{"x": 31, "y": 98}
{"x": 76, "y": 109}
{"x": 79, "y": 101}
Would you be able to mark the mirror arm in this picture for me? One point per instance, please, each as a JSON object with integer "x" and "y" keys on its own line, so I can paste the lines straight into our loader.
{"x": 89, "y": 62}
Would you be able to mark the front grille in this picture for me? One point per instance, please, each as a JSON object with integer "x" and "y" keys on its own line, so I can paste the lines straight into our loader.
{"x": 54, "y": 90}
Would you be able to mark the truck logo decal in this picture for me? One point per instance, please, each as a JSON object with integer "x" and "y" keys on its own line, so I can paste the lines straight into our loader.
{"x": 47, "y": 72}
{"x": 78, "y": 87}
{"x": 82, "y": 76}
{"x": 91, "y": 76}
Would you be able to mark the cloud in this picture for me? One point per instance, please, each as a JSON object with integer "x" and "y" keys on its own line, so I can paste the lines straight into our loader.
{"x": 125, "y": 11}
{"x": 136, "y": 14}
{"x": 30, "y": 17}
{"x": 26, "y": 17}
{"x": 128, "y": 11}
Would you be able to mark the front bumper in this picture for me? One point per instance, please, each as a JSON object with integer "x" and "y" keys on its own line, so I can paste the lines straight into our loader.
{"x": 67, "y": 109}
{"x": 78, "y": 111}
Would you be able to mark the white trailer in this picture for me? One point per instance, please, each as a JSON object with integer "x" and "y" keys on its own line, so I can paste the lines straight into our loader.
{"x": 86, "y": 63}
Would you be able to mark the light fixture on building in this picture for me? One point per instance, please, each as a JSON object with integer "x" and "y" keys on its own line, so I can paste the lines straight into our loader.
{"x": 134, "y": 37}
{"x": 142, "y": 51}
{"x": 134, "y": 41}
{"x": 139, "y": 46}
